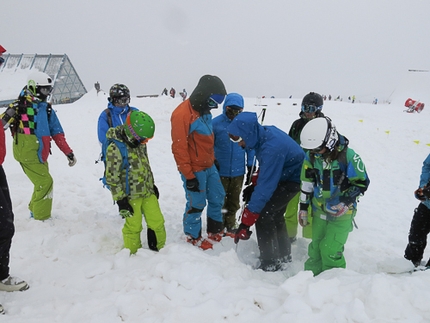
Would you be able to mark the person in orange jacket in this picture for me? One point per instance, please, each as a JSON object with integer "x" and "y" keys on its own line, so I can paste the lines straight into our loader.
{"x": 193, "y": 150}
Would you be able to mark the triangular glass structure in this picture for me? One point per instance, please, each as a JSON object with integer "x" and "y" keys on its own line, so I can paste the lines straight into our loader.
{"x": 68, "y": 87}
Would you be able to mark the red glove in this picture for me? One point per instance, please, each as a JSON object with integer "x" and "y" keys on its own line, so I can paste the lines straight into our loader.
{"x": 248, "y": 217}
{"x": 242, "y": 233}
{"x": 254, "y": 177}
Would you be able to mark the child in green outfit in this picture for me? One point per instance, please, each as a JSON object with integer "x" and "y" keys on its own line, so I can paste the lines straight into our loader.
{"x": 133, "y": 187}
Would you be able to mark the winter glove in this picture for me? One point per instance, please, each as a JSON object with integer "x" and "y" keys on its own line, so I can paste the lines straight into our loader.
{"x": 242, "y": 233}
{"x": 249, "y": 171}
{"x": 216, "y": 163}
{"x": 247, "y": 192}
{"x": 419, "y": 194}
{"x": 426, "y": 191}
{"x": 125, "y": 209}
{"x": 303, "y": 218}
{"x": 193, "y": 185}
{"x": 249, "y": 218}
{"x": 156, "y": 192}
{"x": 338, "y": 209}
{"x": 72, "y": 159}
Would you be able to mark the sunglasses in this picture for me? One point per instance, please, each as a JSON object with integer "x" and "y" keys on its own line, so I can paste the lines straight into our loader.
{"x": 235, "y": 138}
{"x": 309, "y": 108}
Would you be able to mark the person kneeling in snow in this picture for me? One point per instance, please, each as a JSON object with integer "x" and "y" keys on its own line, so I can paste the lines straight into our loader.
{"x": 333, "y": 177}
{"x": 280, "y": 160}
{"x": 133, "y": 187}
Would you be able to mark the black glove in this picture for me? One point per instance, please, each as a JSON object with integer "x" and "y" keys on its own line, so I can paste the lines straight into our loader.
{"x": 242, "y": 233}
{"x": 426, "y": 191}
{"x": 156, "y": 192}
{"x": 193, "y": 185}
{"x": 216, "y": 163}
{"x": 72, "y": 159}
{"x": 419, "y": 194}
{"x": 250, "y": 170}
{"x": 125, "y": 209}
{"x": 247, "y": 192}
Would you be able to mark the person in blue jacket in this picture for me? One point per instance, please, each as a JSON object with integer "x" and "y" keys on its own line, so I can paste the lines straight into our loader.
{"x": 420, "y": 224}
{"x": 232, "y": 160}
{"x": 116, "y": 112}
{"x": 280, "y": 161}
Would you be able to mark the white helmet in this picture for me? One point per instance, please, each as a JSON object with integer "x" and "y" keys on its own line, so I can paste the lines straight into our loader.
{"x": 40, "y": 79}
{"x": 319, "y": 133}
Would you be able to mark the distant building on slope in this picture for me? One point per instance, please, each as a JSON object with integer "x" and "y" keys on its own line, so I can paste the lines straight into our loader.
{"x": 68, "y": 87}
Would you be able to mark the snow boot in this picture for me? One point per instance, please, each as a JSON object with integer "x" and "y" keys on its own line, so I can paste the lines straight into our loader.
{"x": 203, "y": 244}
{"x": 215, "y": 236}
{"x": 13, "y": 284}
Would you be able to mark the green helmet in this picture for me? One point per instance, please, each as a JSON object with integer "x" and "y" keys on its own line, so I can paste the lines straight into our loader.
{"x": 139, "y": 126}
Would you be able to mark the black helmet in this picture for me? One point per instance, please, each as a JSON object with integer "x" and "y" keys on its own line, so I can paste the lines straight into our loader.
{"x": 119, "y": 91}
{"x": 312, "y": 102}
{"x": 119, "y": 94}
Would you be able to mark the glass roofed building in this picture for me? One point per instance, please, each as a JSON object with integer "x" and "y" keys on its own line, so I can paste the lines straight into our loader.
{"x": 68, "y": 87}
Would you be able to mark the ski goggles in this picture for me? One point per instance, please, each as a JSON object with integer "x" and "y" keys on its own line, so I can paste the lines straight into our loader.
{"x": 234, "y": 138}
{"x": 121, "y": 101}
{"x": 310, "y": 108}
{"x": 234, "y": 110}
{"x": 44, "y": 90}
{"x": 214, "y": 100}
{"x": 1, "y": 60}
{"x": 140, "y": 140}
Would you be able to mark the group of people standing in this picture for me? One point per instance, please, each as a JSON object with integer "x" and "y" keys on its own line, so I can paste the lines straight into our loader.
{"x": 309, "y": 176}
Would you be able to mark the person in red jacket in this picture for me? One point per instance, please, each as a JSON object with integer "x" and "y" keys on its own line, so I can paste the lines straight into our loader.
{"x": 7, "y": 230}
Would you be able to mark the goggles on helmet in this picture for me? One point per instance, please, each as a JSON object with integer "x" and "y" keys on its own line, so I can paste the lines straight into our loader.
{"x": 310, "y": 108}
{"x": 140, "y": 140}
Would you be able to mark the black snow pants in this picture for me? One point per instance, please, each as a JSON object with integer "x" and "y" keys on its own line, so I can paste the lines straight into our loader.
{"x": 272, "y": 235}
{"x": 7, "y": 228}
{"x": 420, "y": 228}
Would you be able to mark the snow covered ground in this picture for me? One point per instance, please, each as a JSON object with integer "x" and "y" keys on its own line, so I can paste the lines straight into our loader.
{"x": 79, "y": 272}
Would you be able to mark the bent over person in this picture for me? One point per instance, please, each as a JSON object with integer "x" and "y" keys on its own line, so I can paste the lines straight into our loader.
{"x": 280, "y": 160}
{"x": 34, "y": 123}
{"x": 333, "y": 177}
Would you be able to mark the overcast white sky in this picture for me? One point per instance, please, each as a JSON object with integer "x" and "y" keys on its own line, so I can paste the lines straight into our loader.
{"x": 270, "y": 47}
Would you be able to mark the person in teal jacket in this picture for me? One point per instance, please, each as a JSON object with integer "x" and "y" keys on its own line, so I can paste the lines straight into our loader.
{"x": 34, "y": 124}
{"x": 333, "y": 177}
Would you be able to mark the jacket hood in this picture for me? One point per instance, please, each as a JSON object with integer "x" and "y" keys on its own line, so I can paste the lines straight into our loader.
{"x": 207, "y": 86}
{"x": 246, "y": 125}
{"x": 233, "y": 99}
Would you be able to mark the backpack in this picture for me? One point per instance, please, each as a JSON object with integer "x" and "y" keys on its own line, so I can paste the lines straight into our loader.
{"x": 125, "y": 164}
